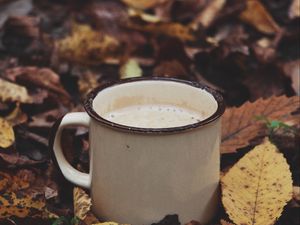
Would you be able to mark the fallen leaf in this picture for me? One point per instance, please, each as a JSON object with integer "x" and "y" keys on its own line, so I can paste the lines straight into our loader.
{"x": 87, "y": 46}
{"x": 13, "y": 92}
{"x": 90, "y": 219}
{"x": 20, "y": 205}
{"x": 170, "y": 68}
{"x": 4, "y": 181}
{"x": 82, "y": 203}
{"x": 256, "y": 15}
{"x": 87, "y": 82}
{"x": 40, "y": 78}
{"x": 143, "y": 4}
{"x": 7, "y": 135}
{"x": 239, "y": 125}
{"x": 257, "y": 187}
{"x": 16, "y": 116}
{"x": 207, "y": 16}
{"x": 171, "y": 29}
{"x": 130, "y": 69}
{"x": 15, "y": 159}
{"x": 294, "y": 10}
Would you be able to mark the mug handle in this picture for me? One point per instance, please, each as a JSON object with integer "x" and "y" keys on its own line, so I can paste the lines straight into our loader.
{"x": 70, "y": 173}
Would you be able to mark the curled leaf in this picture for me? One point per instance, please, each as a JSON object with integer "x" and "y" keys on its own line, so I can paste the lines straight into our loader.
{"x": 257, "y": 187}
{"x": 13, "y": 92}
{"x": 7, "y": 136}
{"x": 256, "y": 15}
{"x": 82, "y": 203}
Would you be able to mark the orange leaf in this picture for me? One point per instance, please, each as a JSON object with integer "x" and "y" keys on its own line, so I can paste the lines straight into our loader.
{"x": 240, "y": 126}
{"x": 256, "y": 15}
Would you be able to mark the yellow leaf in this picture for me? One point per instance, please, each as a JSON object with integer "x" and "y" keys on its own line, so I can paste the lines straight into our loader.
{"x": 82, "y": 203}
{"x": 256, "y": 15}
{"x": 130, "y": 69}
{"x": 257, "y": 187}
{"x": 7, "y": 136}
{"x": 13, "y": 92}
{"x": 87, "y": 46}
{"x": 20, "y": 205}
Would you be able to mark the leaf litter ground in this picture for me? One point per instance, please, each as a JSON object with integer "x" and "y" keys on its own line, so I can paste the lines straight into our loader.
{"x": 52, "y": 53}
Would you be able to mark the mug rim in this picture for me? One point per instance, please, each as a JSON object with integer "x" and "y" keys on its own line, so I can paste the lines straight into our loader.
{"x": 88, "y": 106}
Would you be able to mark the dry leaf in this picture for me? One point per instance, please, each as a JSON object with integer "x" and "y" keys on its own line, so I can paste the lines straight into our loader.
{"x": 16, "y": 116}
{"x": 130, "y": 69}
{"x": 239, "y": 125}
{"x": 207, "y": 16}
{"x": 294, "y": 10}
{"x": 20, "y": 205}
{"x": 143, "y": 4}
{"x": 184, "y": 33}
{"x": 87, "y": 82}
{"x": 257, "y": 187}
{"x": 82, "y": 203}
{"x": 7, "y": 136}
{"x": 86, "y": 46}
{"x": 90, "y": 219}
{"x": 224, "y": 222}
{"x": 256, "y": 15}
{"x": 13, "y": 92}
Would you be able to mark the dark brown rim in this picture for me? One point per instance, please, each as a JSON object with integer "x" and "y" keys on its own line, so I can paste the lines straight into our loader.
{"x": 88, "y": 105}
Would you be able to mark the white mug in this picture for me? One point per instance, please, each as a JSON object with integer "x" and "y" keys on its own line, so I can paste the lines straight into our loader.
{"x": 139, "y": 175}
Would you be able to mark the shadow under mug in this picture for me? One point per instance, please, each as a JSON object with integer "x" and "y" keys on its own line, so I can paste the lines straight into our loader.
{"x": 139, "y": 175}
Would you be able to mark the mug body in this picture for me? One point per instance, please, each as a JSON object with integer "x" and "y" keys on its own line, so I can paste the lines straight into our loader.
{"x": 139, "y": 175}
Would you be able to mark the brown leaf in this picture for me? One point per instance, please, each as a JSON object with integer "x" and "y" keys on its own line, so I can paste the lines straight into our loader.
{"x": 82, "y": 203}
{"x": 239, "y": 125}
{"x": 294, "y": 11}
{"x": 193, "y": 222}
{"x": 256, "y": 189}
{"x": 40, "y": 78}
{"x": 207, "y": 16}
{"x": 171, "y": 29}
{"x": 13, "y": 92}
{"x": 256, "y": 15}
{"x": 7, "y": 135}
{"x": 296, "y": 193}
{"x": 15, "y": 159}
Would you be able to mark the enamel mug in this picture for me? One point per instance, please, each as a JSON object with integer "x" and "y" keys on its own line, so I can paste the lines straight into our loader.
{"x": 139, "y": 175}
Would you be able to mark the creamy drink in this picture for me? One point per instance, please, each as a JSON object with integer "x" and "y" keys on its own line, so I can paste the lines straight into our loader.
{"x": 153, "y": 116}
